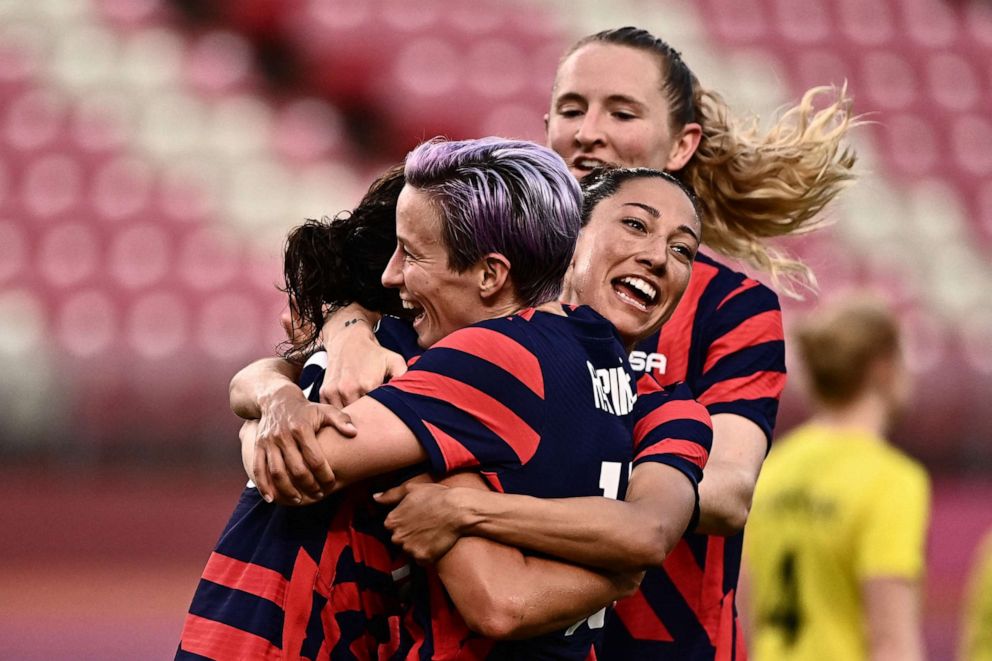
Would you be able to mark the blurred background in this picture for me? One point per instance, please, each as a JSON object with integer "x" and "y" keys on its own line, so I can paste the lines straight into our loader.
{"x": 153, "y": 154}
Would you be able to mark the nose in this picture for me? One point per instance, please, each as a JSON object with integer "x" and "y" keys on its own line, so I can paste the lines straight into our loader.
{"x": 392, "y": 276}
{"x": 589, "y": 132}
{"x": 654, "y": 256}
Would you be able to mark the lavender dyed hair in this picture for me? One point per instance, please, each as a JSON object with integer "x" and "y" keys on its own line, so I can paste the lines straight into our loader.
{"x": 511, "y": 197}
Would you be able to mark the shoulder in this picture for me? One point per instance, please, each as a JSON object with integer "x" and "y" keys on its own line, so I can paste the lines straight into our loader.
{"x": 719, "y": 286}
{"x": 495, "y": 344}
{"x": 898, "y": 468}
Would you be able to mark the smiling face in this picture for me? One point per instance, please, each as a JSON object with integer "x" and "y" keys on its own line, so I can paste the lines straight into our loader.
{"x": 634, "y": 257}
{"x": 442, "y": 299}
{"x": 599, "y": 117}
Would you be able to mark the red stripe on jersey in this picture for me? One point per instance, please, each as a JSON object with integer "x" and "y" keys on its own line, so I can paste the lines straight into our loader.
{"x": 332, "y": 630}
{"x": 371, "y": 552}
{"x": 245, "y": 576}
{"x": 754, "y": 386}
{"x": 493, "y": 480}
{"x": 455, "y": 454}
{"x": 346, "y": 597}
{"x": 748, "y": 283}
{"x": 764, "y": 327}
{"x": 410, "y": 362}
{"x": 640, "y": 619}
{"x": 647, "y": 384}
{"x": 689, "y": 450}
{"x": 687, "y": 576}
{"x": 676, "y": 334}
{"x": 447, "y": 627}
{"x": 299, "y": 603}
{"x": 527, "y": 314}
{"x": 730, "y": 645}
{"x": 500, "y": 350}
{"x": 489, "y": 411}
{"x": 713, "y": 584}
{"x": 678, "y": 409}
{"x": 221, "y": 642}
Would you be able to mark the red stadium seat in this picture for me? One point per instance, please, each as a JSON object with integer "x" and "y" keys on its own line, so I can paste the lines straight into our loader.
{"x": 971, "y": 141}
{"x": 88, "y": 323}
{"x": 953, "y": 81}
{"x": 888, "y": 80}
{"x": 803, "y": 21}
{"x": 14, "y": 251}
{"x": 866, "y": 23}
{"x": 69, "y": 254}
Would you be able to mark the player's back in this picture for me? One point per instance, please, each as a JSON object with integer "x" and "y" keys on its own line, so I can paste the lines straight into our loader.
{"x": 831, "y": 509}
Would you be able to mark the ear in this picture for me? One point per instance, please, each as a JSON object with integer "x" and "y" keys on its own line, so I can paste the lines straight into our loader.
{"x": 684, "y": 146}
{"x": 547, "y": 118}
{"x": 494, "y": 275}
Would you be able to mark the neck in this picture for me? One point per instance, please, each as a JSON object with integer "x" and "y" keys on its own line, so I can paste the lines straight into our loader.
{"x": 867, "y": 414}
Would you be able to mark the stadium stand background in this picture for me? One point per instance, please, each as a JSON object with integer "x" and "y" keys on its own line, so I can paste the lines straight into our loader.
{"x": 153, "y": 153}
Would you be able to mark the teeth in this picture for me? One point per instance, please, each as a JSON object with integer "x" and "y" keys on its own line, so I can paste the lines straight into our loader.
{"x": 588, "y": 163}
{"x": 641, "y": 286}
{"x": 407, "y": 305}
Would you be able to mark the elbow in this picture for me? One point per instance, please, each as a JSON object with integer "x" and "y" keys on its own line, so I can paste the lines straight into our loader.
{"x": 729, "y": 521}
{"x": 496, "y": 617}
{"x": 657, "y": 541}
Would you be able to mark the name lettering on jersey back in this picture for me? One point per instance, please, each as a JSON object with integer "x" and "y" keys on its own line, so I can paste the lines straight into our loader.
{"x": 641, "y": 361}
{"x": 612, "y": 390}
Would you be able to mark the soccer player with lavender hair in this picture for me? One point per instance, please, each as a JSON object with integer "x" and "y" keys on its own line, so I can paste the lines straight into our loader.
{"x": 535, "y": 394}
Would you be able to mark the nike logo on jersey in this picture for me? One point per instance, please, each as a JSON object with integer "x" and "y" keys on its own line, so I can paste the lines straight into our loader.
{"x": 611, "y": 390}
{"x": 641, "y": 361}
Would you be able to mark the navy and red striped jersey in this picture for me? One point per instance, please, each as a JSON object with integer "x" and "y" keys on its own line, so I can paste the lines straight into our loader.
{"x": 313, "y": 582}
{"x": 725, "y": 341}
{"x": 540, "y": 404}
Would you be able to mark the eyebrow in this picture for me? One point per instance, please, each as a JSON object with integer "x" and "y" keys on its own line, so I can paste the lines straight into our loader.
{"x": 654, "y": 213}
{"x": 613, "y": 98}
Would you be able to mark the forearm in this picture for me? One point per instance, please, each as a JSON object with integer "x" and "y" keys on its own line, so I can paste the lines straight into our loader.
{"x": 892, "y": 611}
{"x": 503, "y": 594}
{"x": 383, "y": 444}
{"x": 591, "y": 531}
{"x": 258, "y": 382}
{"x": 727, "y": 487}
{"x": 724, "y": 499}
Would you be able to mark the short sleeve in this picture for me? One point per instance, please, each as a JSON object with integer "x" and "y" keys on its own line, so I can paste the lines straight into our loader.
{"x": 892, "y": 540}
{"x": 473, "y": 400}
{"x": 672, "y": 428}
{"x": 743, "y": 369}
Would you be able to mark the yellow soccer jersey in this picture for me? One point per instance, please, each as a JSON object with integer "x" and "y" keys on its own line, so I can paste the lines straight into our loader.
{"x": 978, "y": 611}
{"x": 831, "y": 509}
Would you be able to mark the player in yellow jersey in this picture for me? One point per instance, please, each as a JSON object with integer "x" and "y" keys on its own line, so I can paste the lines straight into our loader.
{"x": 835, "y": 543}
{"x": 977, "y": 642}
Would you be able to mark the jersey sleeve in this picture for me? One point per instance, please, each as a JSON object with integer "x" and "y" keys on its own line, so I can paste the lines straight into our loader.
{"x": 670, "y": 427}
{"x": 473, "y": 400}
{"x": 892, "y": 540}
{"x": 743, "y": 370}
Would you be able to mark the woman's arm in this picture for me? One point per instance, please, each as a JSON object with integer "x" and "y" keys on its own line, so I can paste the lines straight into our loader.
{"x": 892, "y": 611}
{"x": 735, "y": 460}
{"x": 501, "y": 593}
{"x": 267, "y": 391}
{"x": 356, "y": 363}
{"x": 629, "y": 535}
{"x": 381, "y": 443}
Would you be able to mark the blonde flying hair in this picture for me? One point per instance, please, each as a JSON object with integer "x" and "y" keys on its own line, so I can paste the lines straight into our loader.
{"x": 753, "y": 185}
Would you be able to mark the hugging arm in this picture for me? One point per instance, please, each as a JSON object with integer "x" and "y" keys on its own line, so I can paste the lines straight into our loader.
{"x": 287, "y": 424}
{"x": 381, "y": 443}
{"x": 503, "y": 593}
{"x": 629, "y": 535}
